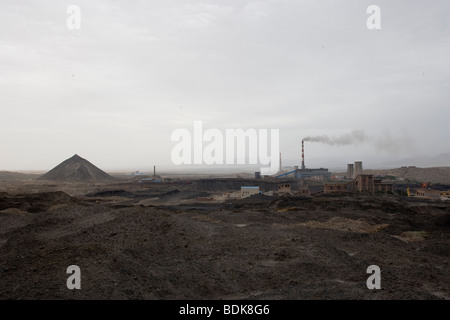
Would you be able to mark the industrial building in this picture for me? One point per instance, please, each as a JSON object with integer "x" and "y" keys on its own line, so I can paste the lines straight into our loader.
{"x": 303, "y": 173}
{"x": 336, "y": 187}
{"x": 432, "y": 194}
{"x": 319, "y": 174}
{"x": 385, "y": 187}
{"x": 362, "y": 183}
{"x": 428, "y": 193}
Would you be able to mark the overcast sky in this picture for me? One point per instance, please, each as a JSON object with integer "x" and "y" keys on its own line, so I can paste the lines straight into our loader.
{"x": 114, "y": 90}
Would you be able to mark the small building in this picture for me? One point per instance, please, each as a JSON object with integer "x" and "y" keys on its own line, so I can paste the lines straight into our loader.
{"x": 284, "y": 188}
{"x": 304, "y": 192}
{"x": 428, "y": 193}
{"x": 335, "y": 187}
{"x": 249, "y": 191}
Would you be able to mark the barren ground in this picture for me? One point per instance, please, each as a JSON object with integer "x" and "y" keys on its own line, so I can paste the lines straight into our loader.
{"x": 173, "y": 247}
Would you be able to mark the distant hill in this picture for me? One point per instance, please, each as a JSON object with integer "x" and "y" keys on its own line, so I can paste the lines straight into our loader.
{"x": 433, "y": 175}
{"x": 14, "y": 176}
{"x": 77, "y": 169}
{"x": 424, "y": 161}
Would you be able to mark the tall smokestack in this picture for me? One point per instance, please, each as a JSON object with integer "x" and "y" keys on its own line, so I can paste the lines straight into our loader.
{"x": 280, "y": 162}
{"x": 154, "y": 172}
{"x": 303, "y": 156}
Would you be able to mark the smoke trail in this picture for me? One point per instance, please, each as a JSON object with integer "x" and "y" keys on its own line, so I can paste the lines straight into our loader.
{"x": 384, "y": 142}
{"x": 353, "y": 137}
{"x": 396, "y": 145}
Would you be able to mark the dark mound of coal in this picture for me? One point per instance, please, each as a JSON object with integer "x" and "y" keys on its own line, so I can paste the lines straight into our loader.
{"x": 35, "y": 202}
{"x": 287, "y": 202}
{"x": 77, "y": 169}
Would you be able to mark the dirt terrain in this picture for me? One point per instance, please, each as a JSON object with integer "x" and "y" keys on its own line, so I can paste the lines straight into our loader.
{"x": 157, "y": 241}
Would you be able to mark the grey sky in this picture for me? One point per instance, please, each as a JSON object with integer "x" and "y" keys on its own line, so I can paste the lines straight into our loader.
{"x": 114, "y": 90}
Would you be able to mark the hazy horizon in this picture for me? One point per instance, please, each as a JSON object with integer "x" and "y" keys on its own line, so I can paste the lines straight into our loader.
{"x": 114, "y": 90}
{"x": 333, "y": 165}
